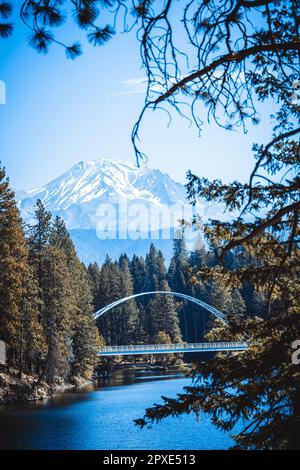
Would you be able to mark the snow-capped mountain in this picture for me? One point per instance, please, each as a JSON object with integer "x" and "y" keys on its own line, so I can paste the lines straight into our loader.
{"x": 82, "y": 195}
{"x": 77, "y": 194}
{"x": 94, "y": 195}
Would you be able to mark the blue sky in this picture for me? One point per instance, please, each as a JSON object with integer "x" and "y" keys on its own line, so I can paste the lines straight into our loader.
{"x": 59, "y": 112}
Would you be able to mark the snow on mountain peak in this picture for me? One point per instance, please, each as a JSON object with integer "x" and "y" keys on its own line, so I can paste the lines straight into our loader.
{"x": 76, "y": 194}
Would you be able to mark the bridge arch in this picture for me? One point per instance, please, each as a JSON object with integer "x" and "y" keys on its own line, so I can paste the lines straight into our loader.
{"x": 217, "y": 313}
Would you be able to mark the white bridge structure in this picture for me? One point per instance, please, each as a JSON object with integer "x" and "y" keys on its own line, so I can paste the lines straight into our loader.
{"x": 140, "y": 349}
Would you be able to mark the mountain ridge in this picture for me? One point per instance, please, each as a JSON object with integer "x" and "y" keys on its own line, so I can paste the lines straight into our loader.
{"x": 75, "y": 194}
{"x": 79, "y": 193}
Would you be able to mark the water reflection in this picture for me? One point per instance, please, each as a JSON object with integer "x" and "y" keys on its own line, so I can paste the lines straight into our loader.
{"x": 131, "y": 376}
{"x": 102, "y": 417}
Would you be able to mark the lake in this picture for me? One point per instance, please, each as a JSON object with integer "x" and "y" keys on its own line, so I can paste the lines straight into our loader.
{"x": 102, "y": 418}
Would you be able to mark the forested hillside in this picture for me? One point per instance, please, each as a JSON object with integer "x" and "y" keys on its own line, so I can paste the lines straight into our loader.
{"x": 46, "y": 302}
{"x": 144, "y": 319}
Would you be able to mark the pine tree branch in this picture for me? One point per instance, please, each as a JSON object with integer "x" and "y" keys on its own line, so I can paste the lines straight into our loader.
{"x": 254, "y": 3}
{"x": 231, "y": 57}
{"x": 285, "y": 257}
{"x": 261, "y": 227}
{"x": 264, "y": 153}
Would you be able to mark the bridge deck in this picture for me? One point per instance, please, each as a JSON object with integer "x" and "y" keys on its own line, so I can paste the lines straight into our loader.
{"x": 171, "y": 348}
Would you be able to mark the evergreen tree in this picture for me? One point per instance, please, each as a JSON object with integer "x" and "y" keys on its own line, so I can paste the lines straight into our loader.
{"x": 256, "y": 302}
{"x": 178, "y": 281}
{"x": 14, "y": 270}
{"x": 110, "y": 289}
{"x": 220, "y": 295}
{"x": 139, "y": 279}
{"x": 104, "y": 297}
{"x": 138, "y": 273}
{"x": 39, "y": 234}
{"x": 94, "y": 273}
{"x": 86, "y": 338}
{"x": 32, "y": 347}
{"x": 237, "y": 306}
{"x": 57, "y": 315}
{"x": 163, "y": 316}
{"x": 199, "y": 256}
{"x": 131, "y": 325}
{"x": 155, "y": 269}
{"x": 177, "y": 273}
{"x": 162, "y": 338}
{"x": 82, "y": 330}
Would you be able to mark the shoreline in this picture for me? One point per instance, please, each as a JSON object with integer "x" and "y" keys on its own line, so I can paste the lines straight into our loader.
{"x": 14, "y": 389}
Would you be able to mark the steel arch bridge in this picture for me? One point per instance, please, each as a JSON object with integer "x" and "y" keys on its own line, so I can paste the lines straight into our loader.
{"x": 169, "y": 348}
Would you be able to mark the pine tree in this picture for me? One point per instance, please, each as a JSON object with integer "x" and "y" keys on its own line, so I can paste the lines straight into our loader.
{"x": 177, "y": 273}
{"x": 94, "y": 273}
{"x": 104, "y": 297}
{"x": 81, "y": 328}
{"x": 163, "y": 316}
{"x": 199, "y": 256}
{"x": 45, "y": 296}
{"x": 57, "y": 315}
{"x": 162, "y": 338}
{"x": 139, "y": 278}
{"x": 38, "y": 240}
{"x": 220, "y": 295}
{"x": 13, "y": 272}
{"x": 178, "y": 281}
{"x": 237, "y": 306}
{"x": 138, "y": 273}
{"x": 32, "y": 347}
{"x": 111, "y": 324}
{"x": 130, "y": 313}
{"x": 86, "y": 338}
{"x": 155, "y": 269}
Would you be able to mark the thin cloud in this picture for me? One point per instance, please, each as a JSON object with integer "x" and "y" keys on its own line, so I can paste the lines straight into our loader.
{"x": 132, "y": 86}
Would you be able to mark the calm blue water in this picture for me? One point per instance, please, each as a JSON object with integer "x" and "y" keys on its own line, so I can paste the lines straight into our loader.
{"x": 102, "y": 418}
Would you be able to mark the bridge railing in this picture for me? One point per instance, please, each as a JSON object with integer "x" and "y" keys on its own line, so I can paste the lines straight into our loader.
{"x": 226, "y": 345}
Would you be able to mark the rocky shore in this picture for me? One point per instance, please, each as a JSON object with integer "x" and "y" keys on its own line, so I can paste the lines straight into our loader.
{"x": 14, "y": 389}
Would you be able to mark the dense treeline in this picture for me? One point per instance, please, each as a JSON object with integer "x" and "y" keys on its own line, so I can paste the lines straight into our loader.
{"x": 157, "y": 319}
{"x": 144, "y": 320}
{"x": 46, "y": 302}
